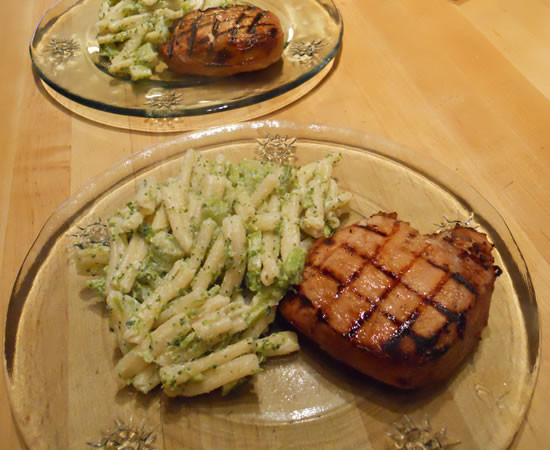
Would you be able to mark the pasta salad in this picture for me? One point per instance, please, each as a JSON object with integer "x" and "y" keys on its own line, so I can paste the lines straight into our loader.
{"x": 129, "y": 31}
{"x": 196, "y": 267}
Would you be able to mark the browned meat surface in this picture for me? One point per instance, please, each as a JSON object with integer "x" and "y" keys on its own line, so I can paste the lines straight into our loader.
{"x": 224, "y": 41}
{"x": 399, "y": 306}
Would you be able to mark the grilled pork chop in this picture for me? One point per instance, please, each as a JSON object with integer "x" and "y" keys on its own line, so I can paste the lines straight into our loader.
{"x": 399, "y": 306}
{"x": 224, "y": 41}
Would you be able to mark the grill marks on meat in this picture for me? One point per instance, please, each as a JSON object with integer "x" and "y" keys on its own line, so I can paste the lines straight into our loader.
{"x": 224, "y": 41}
{"x": 399, "y": 306}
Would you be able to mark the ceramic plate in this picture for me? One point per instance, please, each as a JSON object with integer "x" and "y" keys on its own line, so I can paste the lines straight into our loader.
{"x": 64, "y": 52}
{"x": 59, "y": 353}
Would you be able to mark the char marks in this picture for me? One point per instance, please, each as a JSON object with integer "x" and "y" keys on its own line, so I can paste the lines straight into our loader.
{"x": 193, "y": 36}
{"x": 379, "y": 307}
{"x": 373, "y": 229}
{"x": 215, "y": 28}
{"x": 402, "y": 307}
{"x": 458, "y": 277}
{"x": 203, "y": 20}
{"x": 224, "y": 41}
{"x": 240, "y": 18}
{"x": 252, "y": 27}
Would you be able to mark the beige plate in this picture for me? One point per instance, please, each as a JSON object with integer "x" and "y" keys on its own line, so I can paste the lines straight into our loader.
{"x": 59, "y": 353}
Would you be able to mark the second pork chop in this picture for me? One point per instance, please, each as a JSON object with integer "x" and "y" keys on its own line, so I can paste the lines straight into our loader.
{"x": 224, "y": 41}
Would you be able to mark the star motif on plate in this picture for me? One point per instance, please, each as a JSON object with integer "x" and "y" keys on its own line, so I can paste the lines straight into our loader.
{"x": 62, "y": 50}
{"x": 448, "y": 224}
{"x": 407, "y": 435}
{"x": 95, "y": 233}
{"x": 163, "y": 102}
{"x": 306, "y": 51}
{"x": 487, "y": 395}
{"x": 126, "y": 437}
{"x": 277, "y": 149}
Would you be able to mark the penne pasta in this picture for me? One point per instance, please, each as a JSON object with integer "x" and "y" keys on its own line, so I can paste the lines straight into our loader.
{"x": 270, "y": 249}
{"x": 118, "y": 248}
{"x": 235, "y": 237}
{"x": 90, "y": 260}
{"x": 244, "y": 207}
{"x": 135, "y": 253}
{"x": 150, "y": 348}
{"x": 339, "y": 201}
{"x": 240, "y": 367}
{"x": 260, "y": 326}
{"x": 177, "y": 279}
{"x": 183, "y": 255}
{"x": 126, "y": 29}
{"x": 214, "y": 186}
{"x": 313, "y": 222}
{"x": 160, "y": 220}
{"x": 290, "y": 230}
{"x": 126, "y": 23}
{"x": 181, "y": 373}
{"x": 146, "y": 197}
{"x": 182, "y": 304}
{"x": 278, "y": 344}
{"x": 228, "y": 319}
{"x": 266, "y": 221}
{"x": 187, "y": 167}
{"x": 175, "y": 204}
{"x": 201, "y": 169}
{"x": 264, "y": 189}
{"x": 147, "y": 379}
{"x": 212, "y": 266}
{"x": 122, "y": 308}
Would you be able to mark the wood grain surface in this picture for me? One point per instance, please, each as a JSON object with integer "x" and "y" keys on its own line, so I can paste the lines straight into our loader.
{"x": 462, "y": 82}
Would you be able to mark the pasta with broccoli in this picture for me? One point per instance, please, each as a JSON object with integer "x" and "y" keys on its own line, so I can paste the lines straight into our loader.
{"x": 197, "y": 265}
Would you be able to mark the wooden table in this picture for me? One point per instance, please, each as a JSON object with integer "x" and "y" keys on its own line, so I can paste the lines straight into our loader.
{"x": 463, "y": 82}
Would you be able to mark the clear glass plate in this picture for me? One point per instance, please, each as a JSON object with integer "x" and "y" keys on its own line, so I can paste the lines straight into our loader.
{"x": 59, "y": 353}
{"x": 64, "y": 52}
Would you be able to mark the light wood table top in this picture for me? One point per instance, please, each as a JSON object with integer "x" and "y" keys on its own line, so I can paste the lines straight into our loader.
{"x": 465, "y": 83}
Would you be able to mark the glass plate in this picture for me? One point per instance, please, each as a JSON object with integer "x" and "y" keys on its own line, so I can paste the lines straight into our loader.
{"x": 64, "y": 53}
{"x": 59, "y": 353}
